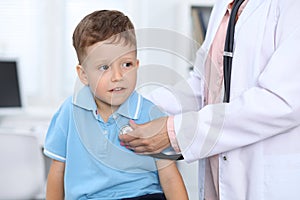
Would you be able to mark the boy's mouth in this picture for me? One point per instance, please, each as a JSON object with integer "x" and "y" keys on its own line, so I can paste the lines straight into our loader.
{"x": 117, "y": 89}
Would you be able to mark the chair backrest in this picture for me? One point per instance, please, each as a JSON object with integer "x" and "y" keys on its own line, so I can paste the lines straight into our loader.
{"x": 22, "y": 167}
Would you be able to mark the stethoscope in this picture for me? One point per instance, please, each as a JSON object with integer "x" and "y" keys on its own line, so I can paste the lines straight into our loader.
{"x": 227, "y": 64}
{"x": 228, "y": 49}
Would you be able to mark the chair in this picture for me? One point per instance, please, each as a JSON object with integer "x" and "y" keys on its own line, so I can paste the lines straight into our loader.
{"x": 22, "y": 167}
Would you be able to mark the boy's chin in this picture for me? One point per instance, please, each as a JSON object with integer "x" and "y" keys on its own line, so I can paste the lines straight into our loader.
{"x": 117, "y": 103}
{"x": 118, "y": 100}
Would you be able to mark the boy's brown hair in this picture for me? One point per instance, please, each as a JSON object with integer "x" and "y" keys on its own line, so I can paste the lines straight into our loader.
{"x": 102, "y": 25}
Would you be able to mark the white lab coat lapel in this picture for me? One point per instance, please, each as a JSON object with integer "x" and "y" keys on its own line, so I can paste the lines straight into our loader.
{"x": 246, "y": 45}
{"x": 250, "y": 8}
{"x": 220, "y": 10}
{"x": 214, "y": 22}
{"x": 216, "y": 19}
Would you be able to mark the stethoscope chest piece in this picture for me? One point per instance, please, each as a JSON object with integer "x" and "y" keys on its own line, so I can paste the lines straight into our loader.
{"x": 125, "y": 129}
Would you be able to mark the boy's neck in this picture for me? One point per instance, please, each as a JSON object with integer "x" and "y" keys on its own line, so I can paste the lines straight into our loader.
{"x": 105, "y": 111}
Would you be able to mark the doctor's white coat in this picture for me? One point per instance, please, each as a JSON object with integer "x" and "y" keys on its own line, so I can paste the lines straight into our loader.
{"x": 257, "y": 134}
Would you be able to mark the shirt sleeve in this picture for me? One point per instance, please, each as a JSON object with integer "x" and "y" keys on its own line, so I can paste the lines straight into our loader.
{"x": 56, "y": 137}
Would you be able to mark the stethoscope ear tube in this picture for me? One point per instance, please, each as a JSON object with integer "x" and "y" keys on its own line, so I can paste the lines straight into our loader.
{"x": 228, "y": 49}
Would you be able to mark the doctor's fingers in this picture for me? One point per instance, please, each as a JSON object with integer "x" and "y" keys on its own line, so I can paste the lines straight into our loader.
{"x": 126, "y": 138}
{"x": 152, "y": 145}
{"x": 149, "y": 129}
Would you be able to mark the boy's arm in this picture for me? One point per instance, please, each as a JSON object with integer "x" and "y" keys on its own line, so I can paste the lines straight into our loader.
{"x": 55, "y": 182}
{"x": 171, "y": 180}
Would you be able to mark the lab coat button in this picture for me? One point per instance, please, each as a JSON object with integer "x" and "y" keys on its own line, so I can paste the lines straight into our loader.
{"x": 224, "y": 158}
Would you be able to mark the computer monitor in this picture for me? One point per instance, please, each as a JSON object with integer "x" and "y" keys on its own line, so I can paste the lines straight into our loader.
{"x": 10, "y": 92}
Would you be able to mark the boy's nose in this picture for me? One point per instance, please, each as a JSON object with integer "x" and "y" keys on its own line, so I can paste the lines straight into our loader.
{"x": 117, "y": 74}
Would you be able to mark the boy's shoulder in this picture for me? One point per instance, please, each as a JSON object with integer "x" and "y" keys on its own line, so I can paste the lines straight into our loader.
{"x": 150, "y": 109}
{"x": 65, "y": 108}
{"x": 67, "y": 104}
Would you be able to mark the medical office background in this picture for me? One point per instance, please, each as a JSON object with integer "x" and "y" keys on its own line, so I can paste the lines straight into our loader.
{"x": 38, "y": 35}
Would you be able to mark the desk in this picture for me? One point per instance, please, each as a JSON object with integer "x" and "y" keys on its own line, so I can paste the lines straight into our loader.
{"x": 26, "y": 124}
{"x": 33, "y": 125}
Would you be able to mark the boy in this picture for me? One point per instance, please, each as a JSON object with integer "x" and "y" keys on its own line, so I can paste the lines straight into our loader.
{"x": 88, "y": 160}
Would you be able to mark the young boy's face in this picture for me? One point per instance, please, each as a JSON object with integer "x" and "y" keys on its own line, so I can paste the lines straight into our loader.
{"x": 110, "y": 70}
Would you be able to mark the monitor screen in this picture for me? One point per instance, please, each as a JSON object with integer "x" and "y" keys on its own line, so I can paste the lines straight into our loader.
{"x": 10, "y": 95}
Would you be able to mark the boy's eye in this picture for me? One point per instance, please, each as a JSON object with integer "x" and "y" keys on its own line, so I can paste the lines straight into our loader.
{"x": 104, "y": 67}
{"x": 127, "y": 64}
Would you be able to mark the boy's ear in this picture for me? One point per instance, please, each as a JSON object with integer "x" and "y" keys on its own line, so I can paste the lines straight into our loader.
{"x": 137, "y": 62}
{"x": 82, "y": 74}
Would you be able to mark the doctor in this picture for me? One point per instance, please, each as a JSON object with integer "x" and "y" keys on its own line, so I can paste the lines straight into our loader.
{"x": 248, "y": 149}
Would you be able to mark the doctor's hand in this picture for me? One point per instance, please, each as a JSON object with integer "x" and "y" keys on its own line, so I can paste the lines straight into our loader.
{"x": 148, "y": 138}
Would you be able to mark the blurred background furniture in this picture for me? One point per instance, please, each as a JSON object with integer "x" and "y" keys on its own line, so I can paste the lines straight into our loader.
{"x": 22, "y": 166}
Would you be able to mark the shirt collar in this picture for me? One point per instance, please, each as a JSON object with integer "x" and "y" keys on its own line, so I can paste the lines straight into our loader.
{"x": 131, "y": 108}
{"x": 84, "y": 98}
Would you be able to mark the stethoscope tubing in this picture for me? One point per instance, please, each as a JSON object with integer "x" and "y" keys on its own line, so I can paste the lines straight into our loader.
{"x": 228, "y": 49}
